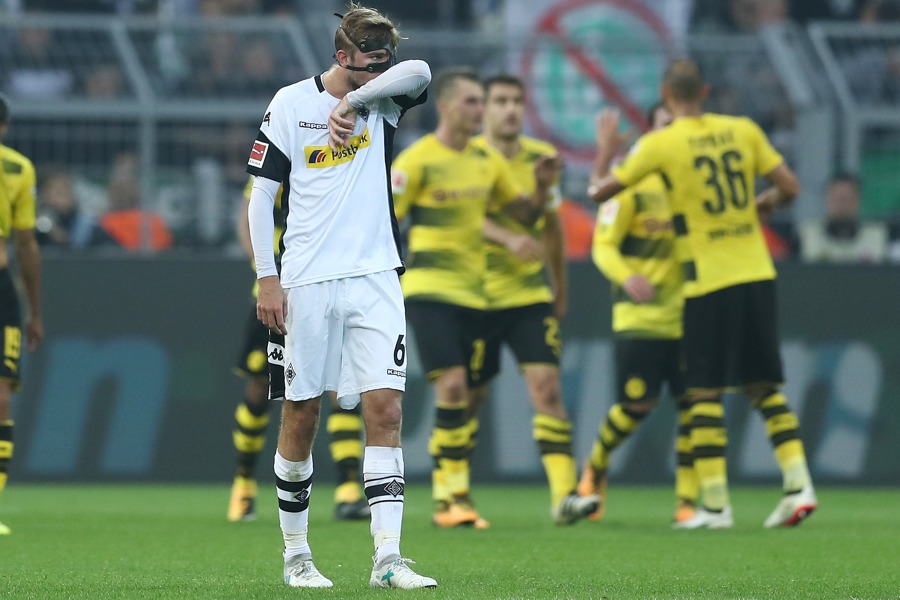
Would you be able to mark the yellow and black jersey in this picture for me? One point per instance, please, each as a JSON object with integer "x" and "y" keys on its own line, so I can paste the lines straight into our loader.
{"x": 510, "y": 282}
{"x": 17, "y": 193}
{"x": 634, "y": 236}
{"x": 278, "y": 215}
{"x": 446, "y": 194}
{"x": 711, "y": 163}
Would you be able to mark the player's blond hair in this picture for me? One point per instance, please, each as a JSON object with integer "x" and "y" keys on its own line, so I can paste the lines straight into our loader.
{"x": 359, "y": 23}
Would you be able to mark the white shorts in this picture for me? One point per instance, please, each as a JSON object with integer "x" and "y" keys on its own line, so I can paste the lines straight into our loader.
{"x": 347, "y": 336}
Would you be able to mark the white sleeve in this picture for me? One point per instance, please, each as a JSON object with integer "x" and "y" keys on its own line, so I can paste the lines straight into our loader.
{"x": 262, "y": 225}
{"x": 407, "y": 78}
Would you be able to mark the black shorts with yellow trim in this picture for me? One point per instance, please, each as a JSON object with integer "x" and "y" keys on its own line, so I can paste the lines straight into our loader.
{"x": 531, "y": 332}
{"x": 262, "y": 355}
{"x": 447, "y": 335}
{"x": 644, "y": 365}
{"x": 731, "y": 338}
{"x": 11, "y": 322}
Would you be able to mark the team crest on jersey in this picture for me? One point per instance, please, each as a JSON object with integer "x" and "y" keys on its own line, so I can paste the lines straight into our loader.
{"x": 398, "y": 181}
{"x": 363, "y": 114}
{"x": 320, "y": 157}
{"x": 258, "y": 154}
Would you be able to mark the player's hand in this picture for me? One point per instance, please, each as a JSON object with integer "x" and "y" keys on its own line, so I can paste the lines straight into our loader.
{"x": 271, "y": 304}
{"x": 341, "y": 122}
{"x": 34, "y": 333}
{"x": 639, "y": 289}
{"x": 525, "y": 247}
{"x": 608, "y": 135}
{"x": 546, "y": 170}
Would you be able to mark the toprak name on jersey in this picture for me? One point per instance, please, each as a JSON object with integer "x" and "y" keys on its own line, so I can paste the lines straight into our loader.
{"x": 320, "y": 157}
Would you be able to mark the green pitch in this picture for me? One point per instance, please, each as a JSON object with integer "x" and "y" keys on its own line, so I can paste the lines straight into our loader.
{"x": 133, "y": 541}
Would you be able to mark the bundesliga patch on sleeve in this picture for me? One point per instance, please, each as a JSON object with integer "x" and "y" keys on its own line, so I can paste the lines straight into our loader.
{"x": 398, "y": 181}
{"x": 258, "y": 154}
{"x": 608, "y": 212}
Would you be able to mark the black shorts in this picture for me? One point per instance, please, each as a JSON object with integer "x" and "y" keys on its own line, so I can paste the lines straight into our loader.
{"x": 11, "y": 322}
{"x": 531, "y": 332}
{"x": 446, "y": 335}
{"x": 644, "y": 365}
{"x": 255, "y": 359}
{"x": 731, "y": 338}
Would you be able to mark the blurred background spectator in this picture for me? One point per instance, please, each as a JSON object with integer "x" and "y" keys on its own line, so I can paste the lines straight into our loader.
{"x": 842, "y": 236}
{"x": 127, "y": 224}
{"x": 61, "y": 219}
{"x": 38, "y": 67}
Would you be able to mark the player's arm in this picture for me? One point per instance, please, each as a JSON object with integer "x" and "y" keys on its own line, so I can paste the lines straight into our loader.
{"x": 242, "y": 225}
{"x": 555, "y": 251}
{"x": 613, "y": 223}
{"x": 785, "y": 187}
{"x": 525, "y": 208}
{"x": 771, "y": 165}
{"x": 601, "y": 186}
{"x": 28, "y": 254}
{"x": 270, "y": 165}
{"x": 409, "y": 78}
{"x": 522, "y": 245}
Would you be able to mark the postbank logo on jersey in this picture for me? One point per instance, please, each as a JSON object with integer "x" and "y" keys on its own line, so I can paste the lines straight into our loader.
{"x": 321, "y": 157}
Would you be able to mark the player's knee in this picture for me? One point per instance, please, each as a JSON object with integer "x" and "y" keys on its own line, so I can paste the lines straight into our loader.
{"x": 257, "y": 391}
{"x": 641, "y": 407}
{"x": 451, "y": 388}
{"x": 545, "y": 390}
{"x": 759, "y": 392}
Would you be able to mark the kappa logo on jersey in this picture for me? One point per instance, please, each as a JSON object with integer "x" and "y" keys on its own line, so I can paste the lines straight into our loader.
{"x": 307, "y": 125}
{"x": 320, "y": 157}
{"x": 267, "y": 118}
{"x": 258, "y": 154}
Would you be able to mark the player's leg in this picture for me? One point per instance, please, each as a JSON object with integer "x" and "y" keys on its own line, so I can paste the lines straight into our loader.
{"x": 6, "y": 439}
{"x": 9, "y": 374}
{"x": 640, "y": 372}
{"x": 762, "y": 363}
{"x": 687, "y": 488}
{"x": 311, "y": 357}
{"x": 444, "y": 351}
{"x": 345, "y": 443}
{"x": 251, "y": 418}
{"x": 373, "y": 365}
{"x": 712, "y": 341}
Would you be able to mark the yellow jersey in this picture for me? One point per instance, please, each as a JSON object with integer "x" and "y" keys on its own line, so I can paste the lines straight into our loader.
{"x": 446, "y": 194}
{"x": 634, "y": 236}
{"x": 279, "y": 216}
{"x": 509, "y": 281}
{"x": 711, "y": 163}
{"x": 17, "y": 192}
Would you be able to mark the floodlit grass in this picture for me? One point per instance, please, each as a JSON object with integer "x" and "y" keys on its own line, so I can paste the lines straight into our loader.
{"x": 134, "y": 541}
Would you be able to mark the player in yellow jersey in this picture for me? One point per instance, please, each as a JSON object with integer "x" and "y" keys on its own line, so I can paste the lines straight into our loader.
{"x": 444, "y": 184}
{"x": 523, "y": 309}
{"x": 261, "y": 364}
{"x": 634, "y": 247}
{"x": 17, "y": 220}
{"x": 730, "y": 329}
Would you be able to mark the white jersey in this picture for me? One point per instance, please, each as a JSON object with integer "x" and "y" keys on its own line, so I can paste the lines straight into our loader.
{"x": 340, "y": 216}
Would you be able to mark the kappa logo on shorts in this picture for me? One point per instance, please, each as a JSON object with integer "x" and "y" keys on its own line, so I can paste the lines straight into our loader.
{"x": 275, "y": 353}
{"x": 290, "y": 373}
{"x": 396, "y": 373}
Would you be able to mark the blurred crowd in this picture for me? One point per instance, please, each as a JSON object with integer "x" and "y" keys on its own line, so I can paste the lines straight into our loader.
{"x": 90, "y": 208}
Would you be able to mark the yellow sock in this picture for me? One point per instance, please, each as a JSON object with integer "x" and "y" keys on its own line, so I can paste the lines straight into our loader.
{"x": 6, "y": 451}
{"x": 709, "y": 440}
{"x": 249, "y": 436}
{"x": 686, "y": 485}
{"x": 450, "y": 445}
{"x": 554, "y": 439}
{"x": 346, "y": 447}
{"x": 618, "y": 425}
{"x": 783, "y": 428}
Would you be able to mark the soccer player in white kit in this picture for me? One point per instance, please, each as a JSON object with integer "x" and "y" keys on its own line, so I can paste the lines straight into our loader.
{"x": 328, "y": 141}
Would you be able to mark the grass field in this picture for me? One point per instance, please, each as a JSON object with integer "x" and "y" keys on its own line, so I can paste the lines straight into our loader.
{"x": 173, "y": 542}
